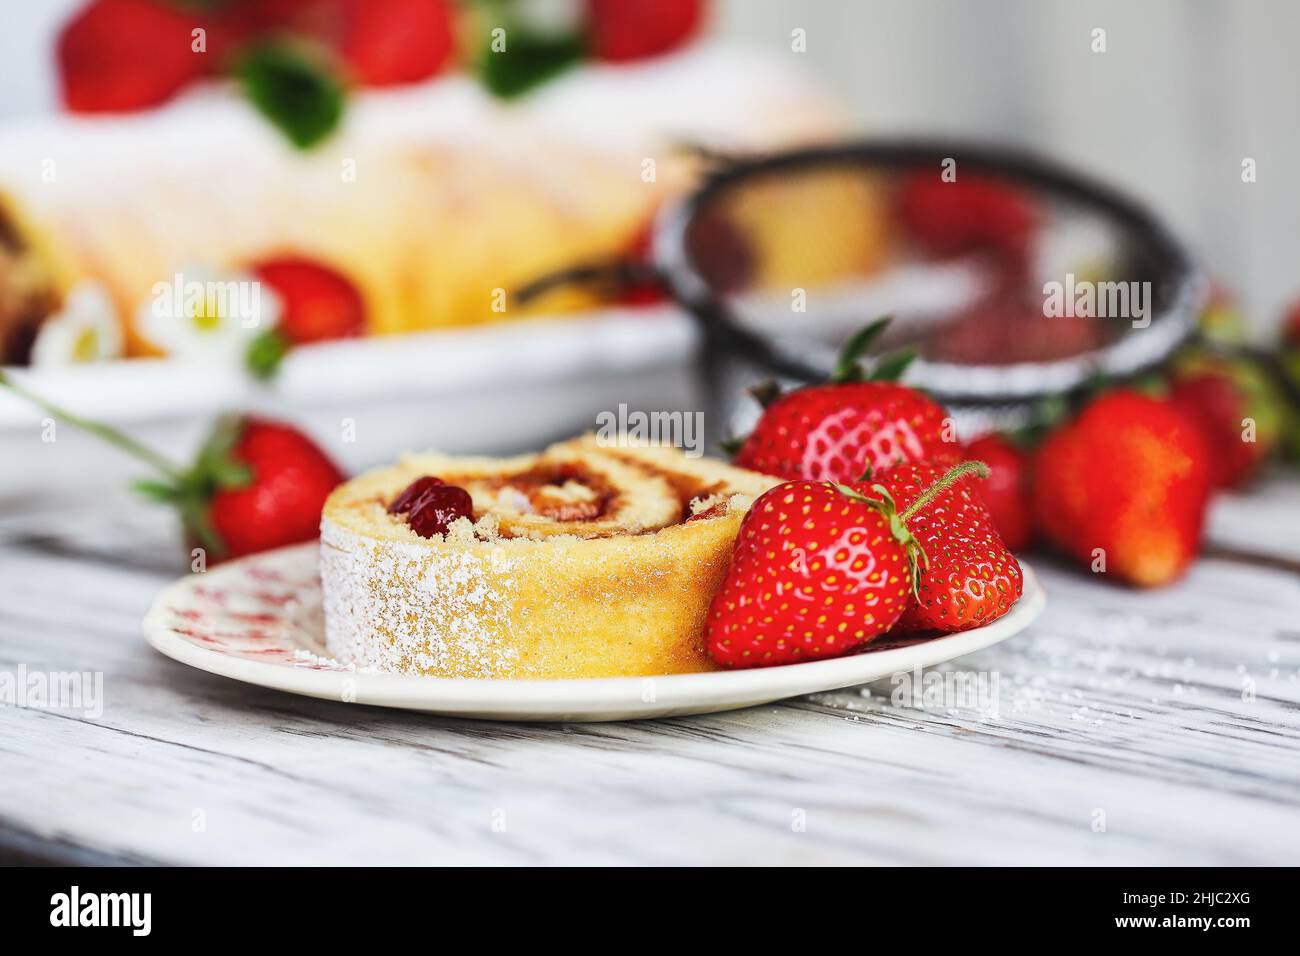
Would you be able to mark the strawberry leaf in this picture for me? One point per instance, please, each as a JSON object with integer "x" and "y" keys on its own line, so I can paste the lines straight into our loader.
{"x": 527, "y": 61}
{"x": 891, "y": 367}
{"x": 293, "y": 89}
{"x": 849, "y": 368}
{"x": 198, "y": 524}
{"x": 160, "y": 491}
{"x": 215, "y": 468}
{"x": 265, "y": 353}
{"x": 229, "y": 474}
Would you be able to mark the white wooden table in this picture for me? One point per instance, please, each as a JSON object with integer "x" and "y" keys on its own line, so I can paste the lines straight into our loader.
{"x": 1154, "y": 728}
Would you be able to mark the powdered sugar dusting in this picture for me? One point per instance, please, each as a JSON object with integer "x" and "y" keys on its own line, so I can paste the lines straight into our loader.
{"x": 417, "y": 610}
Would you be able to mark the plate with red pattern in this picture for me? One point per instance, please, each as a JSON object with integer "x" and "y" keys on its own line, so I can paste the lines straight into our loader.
{"x": 259, "y": 620}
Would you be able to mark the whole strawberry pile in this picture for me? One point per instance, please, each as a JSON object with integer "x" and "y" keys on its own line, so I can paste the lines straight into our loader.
{"x": 821, "y": 568}
{"x": 879, "y": 529}
{"x": 296, "y": 58}
{"x": 1123, "y": 482}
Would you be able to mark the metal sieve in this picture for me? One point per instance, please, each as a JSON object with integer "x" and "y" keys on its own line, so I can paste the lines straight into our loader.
{"x": 1012, "y": 278}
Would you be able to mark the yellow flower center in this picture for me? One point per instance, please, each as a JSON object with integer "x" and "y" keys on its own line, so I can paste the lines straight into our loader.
{"x": 86, "y": 346}
{"x": 207, "y": 317}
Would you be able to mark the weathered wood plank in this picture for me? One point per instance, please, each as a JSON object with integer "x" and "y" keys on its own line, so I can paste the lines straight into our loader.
{"x": 1174, "y": 713}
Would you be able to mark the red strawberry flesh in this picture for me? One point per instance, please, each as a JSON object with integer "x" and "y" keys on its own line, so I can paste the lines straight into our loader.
{"x": 969, "y": 578}
{"x": 318, "y": 303}
{"x": 281, "y": 505}
{"x": 122, "y": 55}
{"x": 1006, "y": 491}
{"x": 834, "y": 432}
{"x": 623, "y": 30}
{"x": 1218, "y": 406}
{"x": 1124, "y": 487}
{"x": 815, "y": 573}
{"x": 394, "y": 42}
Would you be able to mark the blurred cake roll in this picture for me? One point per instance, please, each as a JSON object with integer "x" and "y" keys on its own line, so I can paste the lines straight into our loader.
{"x": 29, "y": 289}
{"x": 580, "y": 561}
{"x": 435, "y": 200}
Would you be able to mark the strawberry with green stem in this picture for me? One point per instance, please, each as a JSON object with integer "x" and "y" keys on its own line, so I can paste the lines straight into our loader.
{"x": 971, "y": 577}
{"x": 256, "y": 484}
{"x": 819, "y": 569}
{"x": 317, "y": 304}
{"x": 840, "y": 429}
{"x": 1239, "y": 407}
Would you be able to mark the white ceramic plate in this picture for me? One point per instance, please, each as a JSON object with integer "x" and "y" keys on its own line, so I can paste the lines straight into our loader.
{"x": 259, "y": 620}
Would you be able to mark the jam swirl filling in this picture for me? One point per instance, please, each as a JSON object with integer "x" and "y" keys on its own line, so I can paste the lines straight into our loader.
{"x": 563, "y": 493}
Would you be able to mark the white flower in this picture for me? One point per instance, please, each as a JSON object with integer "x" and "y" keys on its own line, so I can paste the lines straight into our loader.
{"x": 85, "y": 329}
{"x": 202, "y": 314}
{"x": 549, "y": 17}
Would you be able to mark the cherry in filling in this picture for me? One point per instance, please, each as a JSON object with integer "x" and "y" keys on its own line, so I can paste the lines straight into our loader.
{"x": 542, "y": 487}
{"x": 402, "y": 503}
{"x": 431, "y": 505}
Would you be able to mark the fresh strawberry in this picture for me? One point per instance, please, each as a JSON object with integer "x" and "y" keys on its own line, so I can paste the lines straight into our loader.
{"x": 392, "y": 42}
{"x": 121, "y": 55}
{"x": 818, "y": 570}
{"x": 1006, "y": 491}
{"x": 278, "y": 499}
{"x": 836, "y": 431}
{"x": 1240, "y": 411}
{"x": 624, "y": 30}
{"x": 1124, "y": 488}
{"x": 815, "y": 573}
{"x": 256, "y": 484}
{"x": 968, "y": 213}
{"x": 969, "y": 577}
{"x": 317, "y": 304}
{"x": 241, "y": 22}
{"x": 1216, "y": 405}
